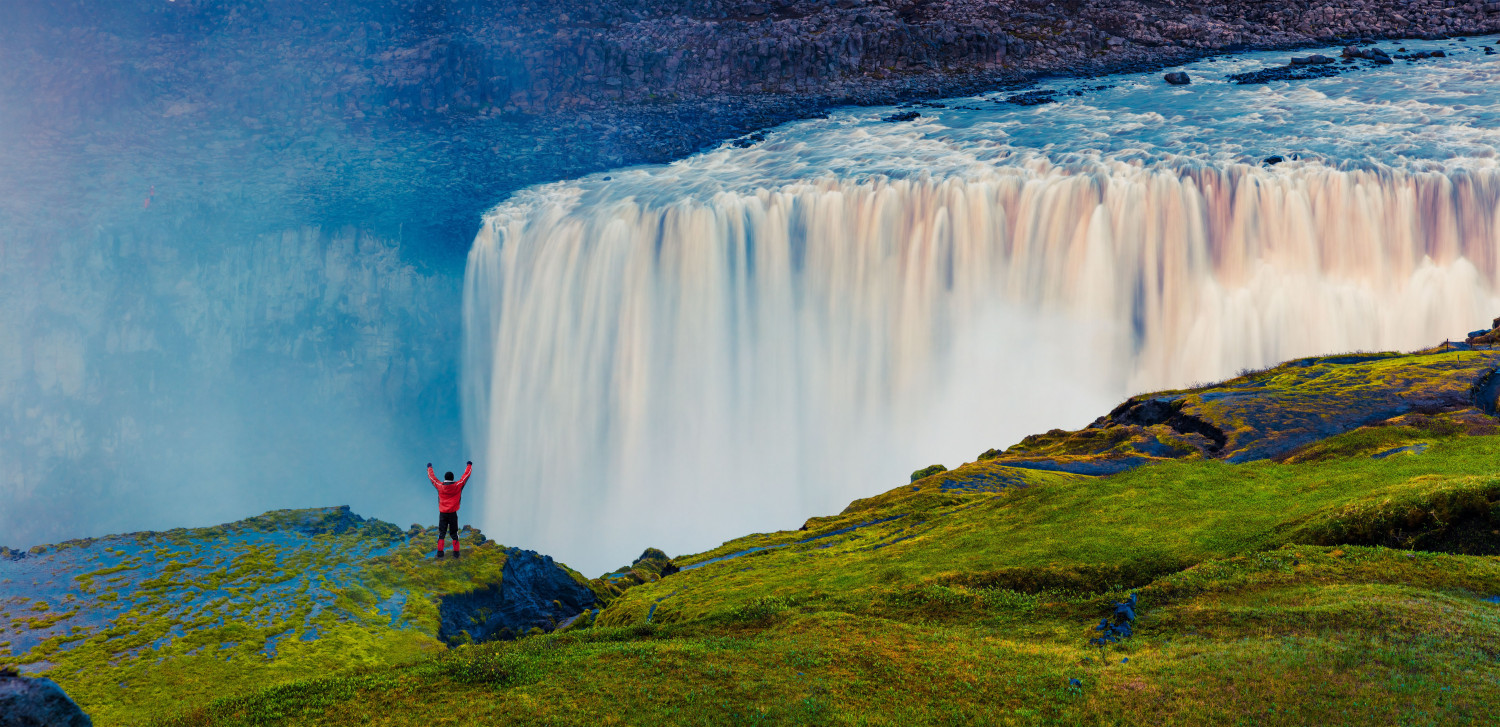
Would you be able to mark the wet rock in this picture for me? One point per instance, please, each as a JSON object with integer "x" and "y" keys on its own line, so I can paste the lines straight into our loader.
{"x": 1273, "y": 160}
{"x": 744, "y": 142}
{"x": 901, "y": 116}
{"x": 1032, "y": 98}
{"x": 1285, "y": 73}
{"x": 27, "y": 702}
{"x": 1177, "y": 78}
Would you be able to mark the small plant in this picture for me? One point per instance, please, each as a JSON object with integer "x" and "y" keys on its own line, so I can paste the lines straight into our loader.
{"x": 1115, "y": 626}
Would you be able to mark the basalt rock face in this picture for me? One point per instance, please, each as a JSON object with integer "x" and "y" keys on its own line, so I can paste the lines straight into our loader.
{"x": 1276, "y": 413}
{"x": 286, "y": 63}
{"x": 534, "y": 592}
{"x": 26, "y": 702}
{"x": 482, "y": 56}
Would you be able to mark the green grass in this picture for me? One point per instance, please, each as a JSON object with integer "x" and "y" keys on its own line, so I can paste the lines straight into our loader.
{"x": 1327, "y": 586}
{"x": 1127, "y": 528}
{"x": 983, "y": 616}
{"x": 1242, "y": 641}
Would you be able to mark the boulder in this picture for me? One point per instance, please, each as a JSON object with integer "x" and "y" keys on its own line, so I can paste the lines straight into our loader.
{"x": 534, "y": 592}
{"x": 653, "y": 560}
{"x": 27, "y": 702}
{"x": 928, "y": 471}
{"x": 1177, "y": 78}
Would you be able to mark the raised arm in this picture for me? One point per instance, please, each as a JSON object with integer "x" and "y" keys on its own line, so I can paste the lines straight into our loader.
{"x": 433, "y": 475}
{"x": 465, "y": 479}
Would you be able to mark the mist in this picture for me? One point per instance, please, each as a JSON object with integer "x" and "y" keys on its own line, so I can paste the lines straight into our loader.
{"x": 222, "y": 291}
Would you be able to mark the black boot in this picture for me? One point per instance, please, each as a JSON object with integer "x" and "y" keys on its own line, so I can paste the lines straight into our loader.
{"x": 440, "y": 555}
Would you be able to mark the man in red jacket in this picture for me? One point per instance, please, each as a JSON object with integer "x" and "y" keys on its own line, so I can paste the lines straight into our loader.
{"x": 449, "y": 495}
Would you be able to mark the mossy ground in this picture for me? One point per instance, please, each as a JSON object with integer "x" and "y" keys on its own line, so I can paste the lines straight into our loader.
{"x": 1351, "y": 580}
{"x": 1299, "y": 635}
{"x": 186, "y": 616}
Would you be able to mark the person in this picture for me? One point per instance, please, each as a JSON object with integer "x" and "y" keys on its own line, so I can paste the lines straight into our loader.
{"x": 450, "y": 494}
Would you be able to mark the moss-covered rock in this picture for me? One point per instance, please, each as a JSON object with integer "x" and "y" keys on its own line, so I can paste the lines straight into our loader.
{"x": 927, "y": 471}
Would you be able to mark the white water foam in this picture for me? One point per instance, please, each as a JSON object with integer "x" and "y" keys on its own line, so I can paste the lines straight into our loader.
{"x": 674, "y": 355}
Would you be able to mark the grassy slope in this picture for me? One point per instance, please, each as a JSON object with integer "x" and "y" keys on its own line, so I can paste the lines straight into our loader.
{"x": 1266, "y": 599}
{"x": 174, "y": 645}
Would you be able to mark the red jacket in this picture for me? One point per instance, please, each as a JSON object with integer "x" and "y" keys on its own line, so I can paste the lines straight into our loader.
{"x": 449, "y": 493}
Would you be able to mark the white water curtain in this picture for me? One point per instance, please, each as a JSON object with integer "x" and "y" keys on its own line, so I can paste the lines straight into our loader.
{"x": 673, "y": 373}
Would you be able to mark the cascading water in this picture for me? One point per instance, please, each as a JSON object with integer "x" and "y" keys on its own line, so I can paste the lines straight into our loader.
{"x": 674, "y": 355}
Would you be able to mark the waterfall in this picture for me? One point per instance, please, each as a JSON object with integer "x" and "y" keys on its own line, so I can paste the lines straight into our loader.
{"x": 661, "y": 370}
{"x": 676, "y": 355}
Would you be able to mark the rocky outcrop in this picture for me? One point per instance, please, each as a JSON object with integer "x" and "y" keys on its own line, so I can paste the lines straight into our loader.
{"x": 26, "y": 702}
{"x": 534, "y": 594}
{"x": 1273, "y": 414}
{"x": 652, "y": 565}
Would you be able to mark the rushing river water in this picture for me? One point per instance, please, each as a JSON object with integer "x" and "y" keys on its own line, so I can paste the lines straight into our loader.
{"x": 674, "y": 355}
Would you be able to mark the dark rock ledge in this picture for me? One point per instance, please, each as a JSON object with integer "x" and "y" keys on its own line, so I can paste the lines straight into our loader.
{"x": 28, "y": 702}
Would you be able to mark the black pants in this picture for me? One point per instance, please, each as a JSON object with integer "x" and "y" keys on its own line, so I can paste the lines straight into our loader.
{"x": 448, "y": 523}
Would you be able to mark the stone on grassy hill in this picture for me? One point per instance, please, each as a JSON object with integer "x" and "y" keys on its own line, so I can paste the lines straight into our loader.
{"x": 928, "y": 471}
{"x": 27, "y": 702}
{"x": 654, "y": 561}
{"x": 535, "y": 593}
{"x": 653, "y": 565}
